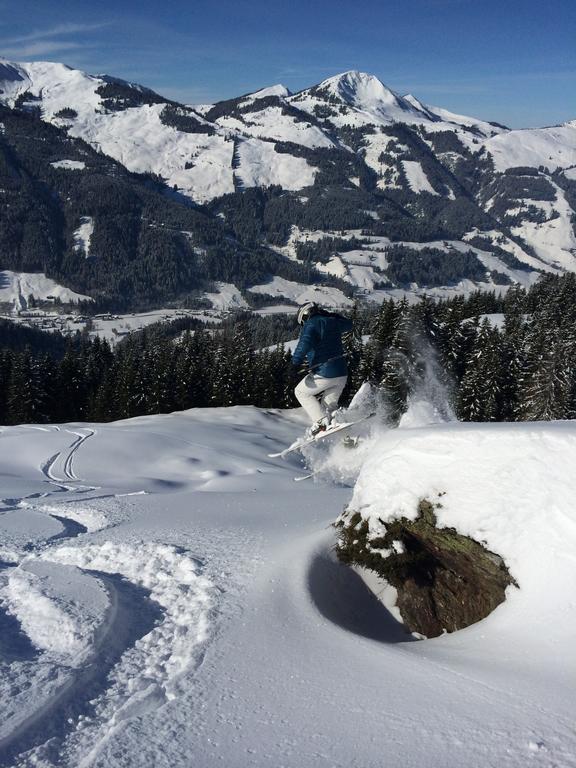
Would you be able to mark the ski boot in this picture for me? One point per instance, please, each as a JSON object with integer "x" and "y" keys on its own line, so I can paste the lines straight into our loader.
{"x": 319, "y": 426}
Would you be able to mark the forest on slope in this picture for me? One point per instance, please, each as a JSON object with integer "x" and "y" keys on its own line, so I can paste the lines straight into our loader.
{"x": 523, "y": 370}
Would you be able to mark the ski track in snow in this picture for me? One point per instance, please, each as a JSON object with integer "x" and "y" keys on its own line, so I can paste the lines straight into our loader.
{"x": 68, "y": 460}
{"x": 153, "y": 629}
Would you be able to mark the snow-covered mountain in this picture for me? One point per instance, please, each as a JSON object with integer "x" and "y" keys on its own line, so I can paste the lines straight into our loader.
{"x": 347, "y": 159}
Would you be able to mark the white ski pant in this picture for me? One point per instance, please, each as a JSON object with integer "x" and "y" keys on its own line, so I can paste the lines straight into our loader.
{"x": 318, "y": 395}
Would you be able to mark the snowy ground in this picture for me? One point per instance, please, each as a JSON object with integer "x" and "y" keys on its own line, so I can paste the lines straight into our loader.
{"x": 168, "y": 597}
{"x": 17, "y": 287}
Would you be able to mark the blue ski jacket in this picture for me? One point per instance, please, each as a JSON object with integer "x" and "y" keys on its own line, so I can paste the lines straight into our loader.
{"x": 320, "y": 344}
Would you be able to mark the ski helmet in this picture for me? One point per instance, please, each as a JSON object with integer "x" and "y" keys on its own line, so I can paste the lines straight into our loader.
{"x": 306, "y": 310}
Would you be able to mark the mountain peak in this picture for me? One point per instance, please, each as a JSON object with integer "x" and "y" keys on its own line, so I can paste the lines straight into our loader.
{"x": 354, "y": 85}
{"x": 367, "y": 93}
{"x": 272, "y": 90}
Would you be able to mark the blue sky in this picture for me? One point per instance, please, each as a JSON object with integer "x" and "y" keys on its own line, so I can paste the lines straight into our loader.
{"x": 512, "y": 61}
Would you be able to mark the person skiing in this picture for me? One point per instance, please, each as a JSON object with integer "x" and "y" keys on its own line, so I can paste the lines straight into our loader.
{"x": 320, "y": 343}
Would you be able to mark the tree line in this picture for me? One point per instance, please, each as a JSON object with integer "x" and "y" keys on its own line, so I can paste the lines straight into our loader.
{"x": 522, "y": 367}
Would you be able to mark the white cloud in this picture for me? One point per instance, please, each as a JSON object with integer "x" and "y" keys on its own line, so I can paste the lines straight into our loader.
{"x": 39, "y": 49}
{"x": 60, "y": 29}
{"x": 42, "y": 42}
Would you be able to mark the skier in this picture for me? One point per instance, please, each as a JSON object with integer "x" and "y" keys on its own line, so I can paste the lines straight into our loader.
{"x": 320, "y": 344}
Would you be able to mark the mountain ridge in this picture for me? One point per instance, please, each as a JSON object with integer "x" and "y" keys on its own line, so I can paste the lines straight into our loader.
{"x": 348, "y": 159}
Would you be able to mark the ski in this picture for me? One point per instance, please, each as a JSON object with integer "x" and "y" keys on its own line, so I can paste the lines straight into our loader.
{"x": 320, "y": 436}
{"x": 305, "y": 477}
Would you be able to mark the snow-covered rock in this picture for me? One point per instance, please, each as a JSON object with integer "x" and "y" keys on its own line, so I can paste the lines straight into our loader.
{"x": 506, "y": 486}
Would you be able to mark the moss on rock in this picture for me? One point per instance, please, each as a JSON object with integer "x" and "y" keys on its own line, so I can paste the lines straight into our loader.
{"x": 445, "y": 581}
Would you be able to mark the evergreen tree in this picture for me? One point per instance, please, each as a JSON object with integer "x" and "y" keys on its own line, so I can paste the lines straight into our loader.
{"x": 161, "y": 392}
{"x": 26, "y": 396}
{"x": 71, "y": 382}
{"x": 395, "y": 384}
{"x": 6, "y": 362}
{"x": 482, "y": 386}
{"x": 546, "y": 383}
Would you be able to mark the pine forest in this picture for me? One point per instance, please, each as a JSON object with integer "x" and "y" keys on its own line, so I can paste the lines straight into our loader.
{"x": 491, "y": 358}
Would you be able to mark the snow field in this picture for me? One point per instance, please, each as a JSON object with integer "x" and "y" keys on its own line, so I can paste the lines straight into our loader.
{"x": 553, "y": 147}
{"x": 261, "y": 165}
{"x": 300, "y": 293}
{"x": 69, "y": 165}
{"x": 83, "y": 235}
{"x": 554, "y": 241}
{"x": 16, "y": 287}
{"x": 232, "y": 636}
{"x": 227, "y": 297}
{"x": 417, "y": 179}
{"x": 70, "y": 604}
{"x": 269, "y": 123}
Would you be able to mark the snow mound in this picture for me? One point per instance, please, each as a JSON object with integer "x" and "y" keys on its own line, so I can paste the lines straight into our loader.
{"x": 58, "y": 607}
{"x": 173, "y": 581}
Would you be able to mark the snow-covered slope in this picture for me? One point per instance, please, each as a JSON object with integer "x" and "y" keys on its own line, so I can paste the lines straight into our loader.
{"x": 16, "y": 288}
{"x": 552, "y": 148}
{"x": 362, "y": 97}
{"x": 203, "y": 620}
{"x": 554, "y": 239}
{"x": 381, "y": 156}
{"x": 200, "y": 163}
{"x": 133, "y": 132}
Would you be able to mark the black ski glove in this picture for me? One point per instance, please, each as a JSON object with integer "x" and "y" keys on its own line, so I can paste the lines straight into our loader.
{"x": 294, "y": 376}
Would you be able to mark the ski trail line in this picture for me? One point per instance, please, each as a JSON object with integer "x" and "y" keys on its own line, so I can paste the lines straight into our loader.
{"x": 69, "y": 462}
{"x": 131, "y": 616}
{"x": 151, "y": 637}
{"x": 47, "y": 468}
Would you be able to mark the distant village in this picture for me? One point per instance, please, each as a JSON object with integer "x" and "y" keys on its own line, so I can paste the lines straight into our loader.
{"x": 61, "y": 318}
